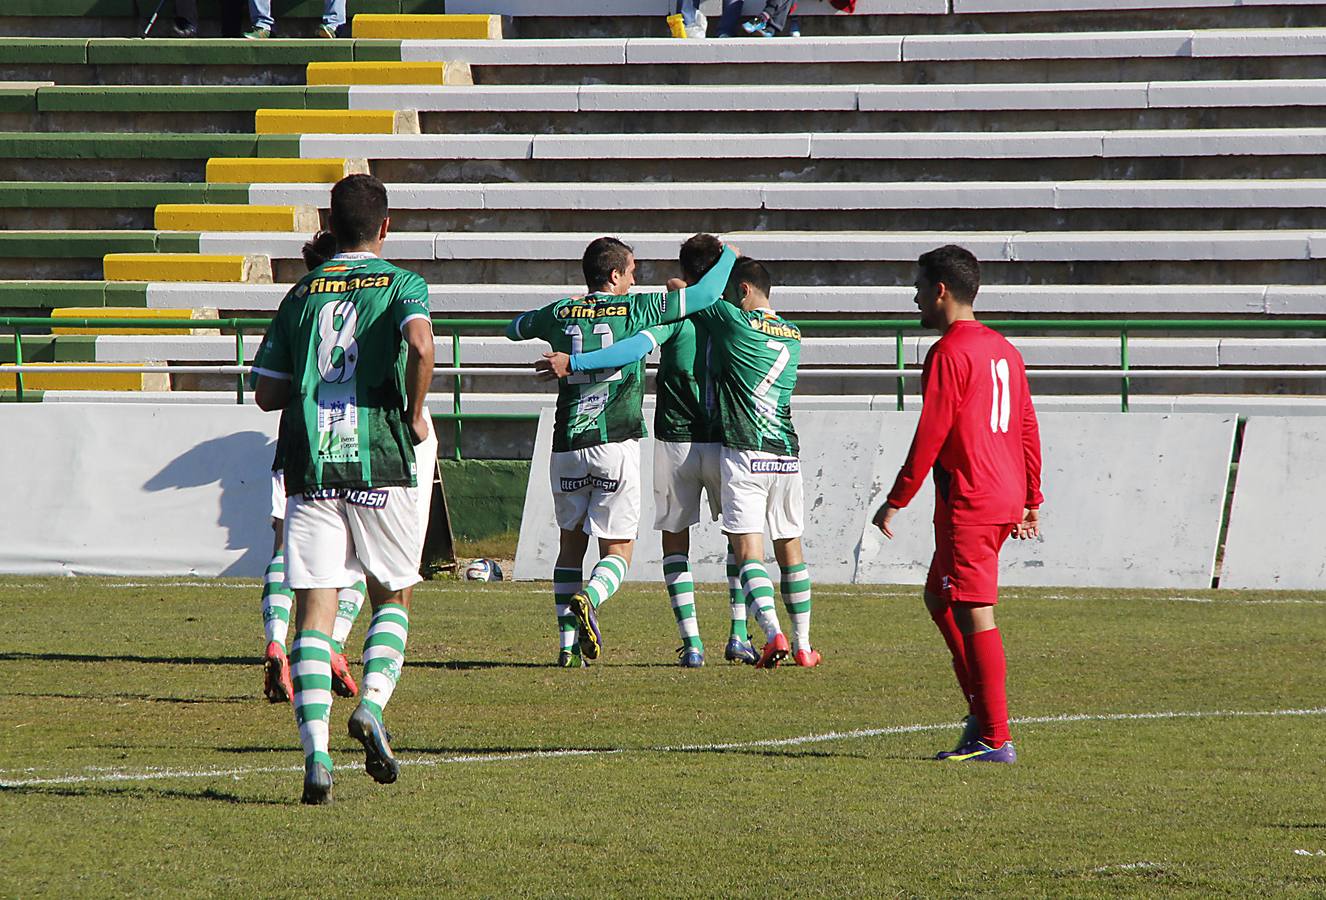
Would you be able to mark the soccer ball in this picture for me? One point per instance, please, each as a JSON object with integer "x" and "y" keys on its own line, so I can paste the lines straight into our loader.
{"x": 483, "y": 570}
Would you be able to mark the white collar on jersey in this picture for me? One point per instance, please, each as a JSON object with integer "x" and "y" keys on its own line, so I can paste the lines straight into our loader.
{"x": 357, "y": 254}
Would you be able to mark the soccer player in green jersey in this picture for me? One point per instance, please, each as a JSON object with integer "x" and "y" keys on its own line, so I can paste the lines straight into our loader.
{"x": 688, "y": 446}
{"x": 349, "y": 358}
{"x": 277, "y": 599}
{"x": 755, "y": 353}
{"x": 595, "y": 468}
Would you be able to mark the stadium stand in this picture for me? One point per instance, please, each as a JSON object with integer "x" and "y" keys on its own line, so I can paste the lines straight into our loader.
{"x": 1154, "y": 160}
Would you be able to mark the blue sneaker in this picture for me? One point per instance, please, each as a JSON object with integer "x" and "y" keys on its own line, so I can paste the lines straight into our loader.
{"x": 690, "y": 657}
{"x": 971, "y": 733}
{"x": 741, "y": 651}
{"x": 591, "y": 642}
{"x": 758, "y": 26}
{"x": 379, "y": 761}
{"x": 979, "y": 751}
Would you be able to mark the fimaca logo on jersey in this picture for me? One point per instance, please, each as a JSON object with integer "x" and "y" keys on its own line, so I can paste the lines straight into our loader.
{"x": 785, "y": 466}
{"x": 591, "y": 311}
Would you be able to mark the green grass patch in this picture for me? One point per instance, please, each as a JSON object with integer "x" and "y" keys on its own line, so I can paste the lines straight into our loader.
{"x": 112, "y": 693}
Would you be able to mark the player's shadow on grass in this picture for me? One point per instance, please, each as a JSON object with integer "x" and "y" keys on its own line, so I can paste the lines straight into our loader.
{"x": 771, "y": 752}
{"x": 468, "y": 664}
{"x": 211, "y": 795}
{"x": 240, "y": 464}
{"x": 126, "y": 696}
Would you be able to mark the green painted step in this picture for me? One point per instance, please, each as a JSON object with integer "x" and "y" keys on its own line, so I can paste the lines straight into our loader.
{"x": 51, "y": 348}
{"x": 117, "y": 145}
{"x": 188, "y": 98}
{"x": 17, "y": 99}
{"x": 90, "y": 244}
{"x": 47, "y": 295}
{"x": 28, "y": 396}
{"x": 195, "y": 52}
{"x": 114, "y": 194}
{"x": 208, "y": 9}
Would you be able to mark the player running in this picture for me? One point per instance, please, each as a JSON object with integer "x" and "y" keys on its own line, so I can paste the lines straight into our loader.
{"x": 277, "y": 599}
{"x": 978, "y": 433}
{"x": 595, "y": 469}
{"x": 754, "y": 358}
{"x": 349, "y": 356}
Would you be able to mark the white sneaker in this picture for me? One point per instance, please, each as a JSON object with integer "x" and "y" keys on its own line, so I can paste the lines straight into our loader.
{"x": 697, "y": 31}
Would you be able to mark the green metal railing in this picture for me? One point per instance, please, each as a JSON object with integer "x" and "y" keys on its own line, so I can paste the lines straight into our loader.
{"x": 489, "y": 326}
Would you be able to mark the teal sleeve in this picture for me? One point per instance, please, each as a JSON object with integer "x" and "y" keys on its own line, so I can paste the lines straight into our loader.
{"x": 622, "y": 353}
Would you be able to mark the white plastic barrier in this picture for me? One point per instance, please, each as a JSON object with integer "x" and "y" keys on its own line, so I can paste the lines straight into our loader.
{"x": 1132, "y": 500}
{"x": 1114, "y": 483}
{"x": 136, "y": 489}
{"x": 1278, "y": 520}
{"x": 837, "y": 452}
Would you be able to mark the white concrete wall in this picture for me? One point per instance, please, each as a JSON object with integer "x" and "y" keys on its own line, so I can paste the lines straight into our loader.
{"x": 1277, "y": 527}
{"x": 1134, "y": 500}
{"x": 130, "y": 489}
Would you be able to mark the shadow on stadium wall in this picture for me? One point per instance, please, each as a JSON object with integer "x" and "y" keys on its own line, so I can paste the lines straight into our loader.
{"x": 239, "y": 467}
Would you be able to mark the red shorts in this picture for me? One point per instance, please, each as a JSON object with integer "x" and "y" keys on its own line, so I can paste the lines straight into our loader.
{"x": 965, "y": 567}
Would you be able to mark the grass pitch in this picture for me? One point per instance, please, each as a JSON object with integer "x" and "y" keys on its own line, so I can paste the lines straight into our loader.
{"x": 138, "y": 757}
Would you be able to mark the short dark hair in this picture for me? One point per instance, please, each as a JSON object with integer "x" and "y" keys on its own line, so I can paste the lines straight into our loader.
{"x": 956, "y": 267}
{"x": 698, "y": 255}
{"x": 754, "y": 273}
{"x": 318, "y": 249}
{"x": 602, "y": 257}
{"x": 358, "y": 208}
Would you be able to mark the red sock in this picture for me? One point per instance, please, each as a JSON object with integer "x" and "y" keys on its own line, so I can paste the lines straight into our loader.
{"x": 985, "y": 659}
{"x": 953, "y": 637}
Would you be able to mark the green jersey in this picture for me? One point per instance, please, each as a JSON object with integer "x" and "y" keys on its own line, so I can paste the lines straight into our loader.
{"x": 337, "y": 336}
{"x": 687, "y": 404}
{"x": 755, "y": 358}
{"x": 598, "y": 407}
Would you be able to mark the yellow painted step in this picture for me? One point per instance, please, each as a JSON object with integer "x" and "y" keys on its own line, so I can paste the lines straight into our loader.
{"x": 131, "y": 312}
{"x": 235, "y": 217}
{"x": 187, "y": 267}
{"x": 322, "y": 73}
{"x": 87, "y": 381}
{"x": 250, "y": 170}
{"x": 413, "y": 27}
{"x": 336, "y": 121}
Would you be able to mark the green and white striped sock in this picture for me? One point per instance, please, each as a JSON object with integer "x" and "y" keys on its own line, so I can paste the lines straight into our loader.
{"x": 566, "y": 584}
{"x": 310, "y": 668}
{"x": 758, "y": 588}
{"x": 384, "y": 655}
{"x": 681, "y": 591}
{"x": 605, "y": 579}
{"x": 736, "y": 601}
{"x": 796, "y": 600}
{"x": 349, "y": 601}
{"x": 276, "y": 601}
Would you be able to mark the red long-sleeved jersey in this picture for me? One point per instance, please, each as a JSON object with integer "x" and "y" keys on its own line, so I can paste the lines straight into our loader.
{"x": 977, "y": 431}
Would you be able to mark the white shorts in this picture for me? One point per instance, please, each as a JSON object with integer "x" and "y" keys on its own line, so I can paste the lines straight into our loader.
{"x": 425, "y": 470}
{"x": 681, "y": 470}
{"x": 333, "y": 542}
{"x": 598, "y": 489}
{"x": 761, "y": 489}
{"x": 278, "y": 494}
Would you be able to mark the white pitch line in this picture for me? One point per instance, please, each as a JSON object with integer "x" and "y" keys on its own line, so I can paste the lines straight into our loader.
{"x": 157, "y": 774}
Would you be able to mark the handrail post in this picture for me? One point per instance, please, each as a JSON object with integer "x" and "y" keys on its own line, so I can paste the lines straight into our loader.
{"x": 457, "y": 430}
{"x": 898, "y": 360}
{"x": 18, "y": 361}
{"x": 1123, "y": 364}
{"x": 239, "y": 361}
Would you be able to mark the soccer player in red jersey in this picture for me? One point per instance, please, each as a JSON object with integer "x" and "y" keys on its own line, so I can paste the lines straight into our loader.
{"x": 978, "y": 433}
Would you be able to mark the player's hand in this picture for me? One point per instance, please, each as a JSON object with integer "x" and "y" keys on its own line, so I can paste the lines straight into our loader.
{"x": 552, "y": 367}
{"x": 883, "y": 519}
{"x": 675, "y": 284}
{"x": 734, "y": 247}
{"x": 1030, "y": 526}
{"x": 419, "y": 427}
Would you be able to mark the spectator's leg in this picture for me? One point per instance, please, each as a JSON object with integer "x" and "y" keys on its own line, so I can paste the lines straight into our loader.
{"x": 728, "y": 24}
{"x": 333, "y": 15}
{"x": 777, "y": 11}
{"x": 687, "y": 10}
{"x": 260, "y": 14}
